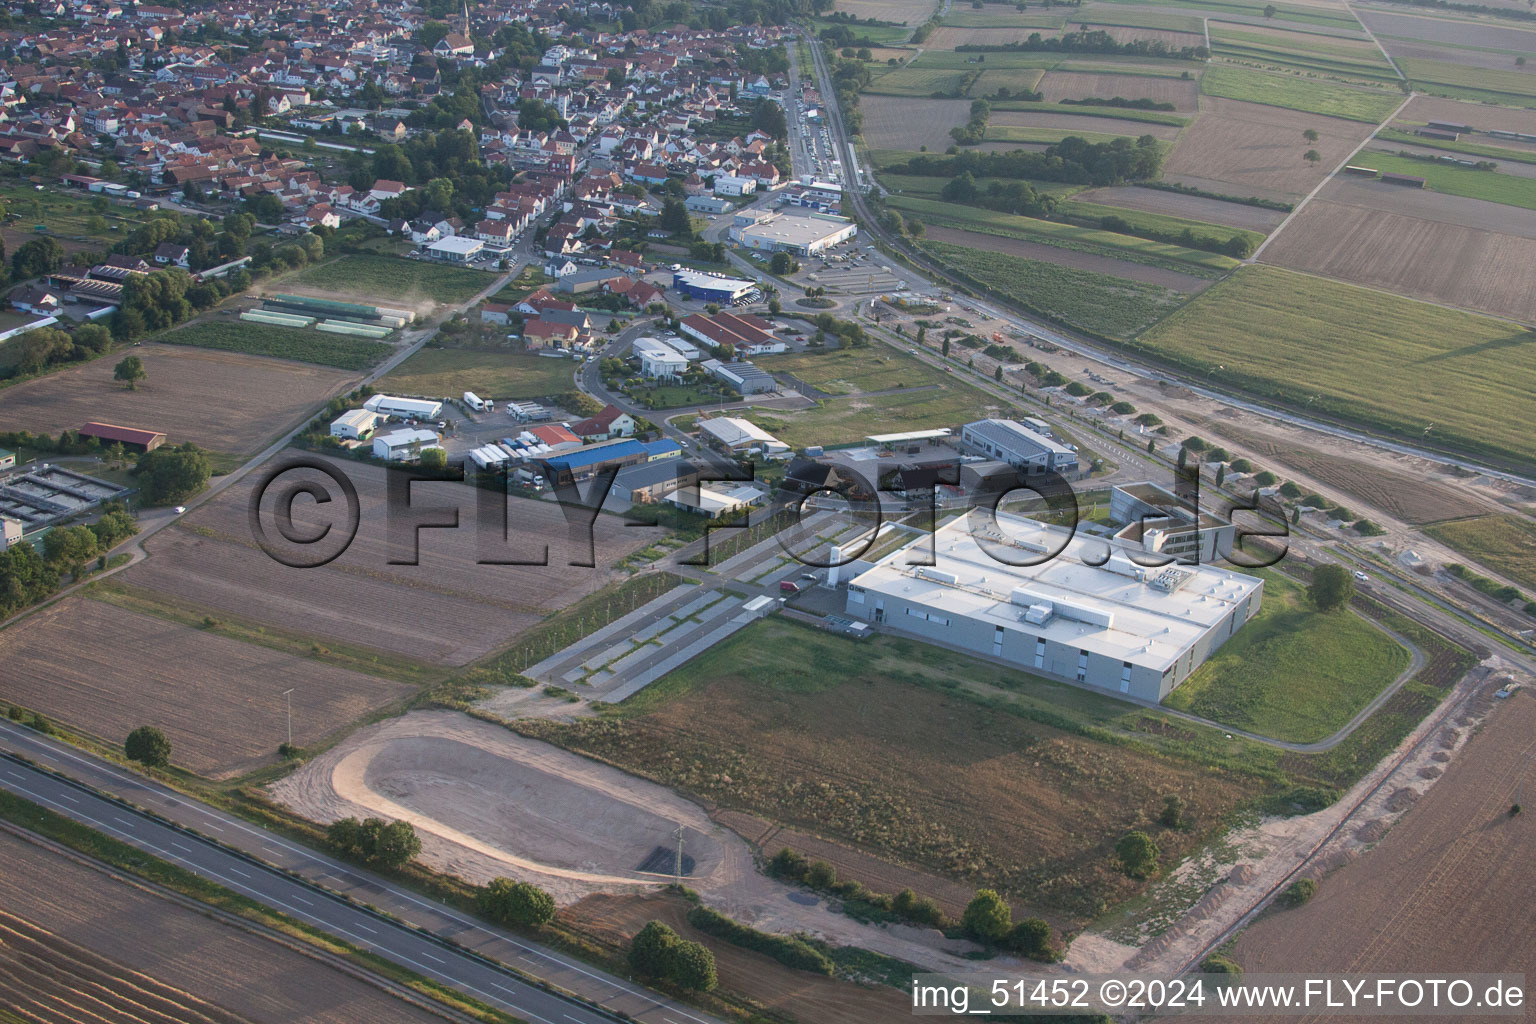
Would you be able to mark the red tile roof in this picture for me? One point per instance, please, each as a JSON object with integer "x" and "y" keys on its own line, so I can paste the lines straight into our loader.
{"x": 127, "y": 435}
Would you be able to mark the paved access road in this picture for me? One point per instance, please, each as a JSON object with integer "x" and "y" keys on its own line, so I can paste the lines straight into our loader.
{"x": 310, "y": 887}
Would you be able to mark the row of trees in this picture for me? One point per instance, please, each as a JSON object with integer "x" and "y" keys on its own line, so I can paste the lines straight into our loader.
{"x": 1073, "y": 160}
{"x": 1091, "y": 41}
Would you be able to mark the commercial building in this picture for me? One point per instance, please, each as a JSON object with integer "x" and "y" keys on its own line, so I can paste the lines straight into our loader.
{"x": 649, "y": 482}
{"x": 732, "y": 434}
{"x": 1161, "y": 522}
{"x": 804, "y": 234}
{"x": 455, "y": 249}
{"x": 404, "y": 408}
{"x": 731, "y": 185}
{"x": 742, "y": 378}
{"x": 717, "y": 498}
{"x": 581, "y": 464}
{"x": 404, "y": 445}
{"x": 354, "y": 425}
{"x": 1089, "y": 615}
{"x": 658, "y": 359}
{"x": 1011, "y": 442}
{"x": 10, "y": 531}
{"x": 711, "y": 205}
{"x": 695, "y": 284}
{"x": 133, "y": 437}
{"x": 742, "y": 333}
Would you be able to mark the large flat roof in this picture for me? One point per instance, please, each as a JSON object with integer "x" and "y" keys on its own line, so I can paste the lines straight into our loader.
{"x": 1097, "y": 609}
{"x": 795, "y": 229}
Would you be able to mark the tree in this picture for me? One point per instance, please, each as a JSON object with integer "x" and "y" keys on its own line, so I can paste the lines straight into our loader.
{"x": 37, "y": 257}
{"x": 168, "y": 475}
{"x": 1297, "y": 893}
{"x": 374, "y": 841}
{"x": 1331, "y": 588}
{"x": 944, "y": 349}
{"x": 1221, "y": 474}
{"x": 518, "y": 903}
{"x": 148, "y": 746}
{"x": 1311, "y": 156}
{"x": 987, "y": 918}
{"x": 1183, "y": 456}
{"x": 1172, "y": 815}
{"x": 650, "y": 949}
{"x": 781, "y": 263}
{"x": 434, "y": 458}
{"x": 1270, "y": 10}
{"x": 130, "y": 370}
{"x": 1137, "y": 853}
{"x": 68, "y": 548}
{"x": 659, "y": 952}
{"x": 1310, "y": 135}
{"x": 997, "y": 374}
{"x": 674, "y": 218}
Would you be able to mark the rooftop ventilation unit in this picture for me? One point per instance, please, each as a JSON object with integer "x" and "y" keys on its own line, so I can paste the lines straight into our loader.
{"x": 937, "y": 576}
{"x": 1170, "y": 579}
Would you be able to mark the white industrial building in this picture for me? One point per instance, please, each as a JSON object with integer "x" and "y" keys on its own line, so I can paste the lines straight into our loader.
{"x": 404, "y": 408}
{"x": 734, "y": 434}
{"x": 731, "y": 185}
{"x": 659, "y": 359}
{"x": 1012, "y": 442}
{"x": 354, "y": 424}
{"x": 1089, "y": 614}
{"x": 804, "y": 234}
{"x": 404, "y": 445}
{"x": 717, "y": 498}
{"x": 1161, "y": 522}
{"x": 455, "y": 249}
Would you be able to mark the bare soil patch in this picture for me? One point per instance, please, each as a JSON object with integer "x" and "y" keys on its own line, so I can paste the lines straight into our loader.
{"x": 449, "y": 609}
{"x": 1482, "y": 116}
{"x": 1213, "y": 211}
{"x": 1083, "y": 123}
{"x": 1252, "y": 149}
{"x": 1071, "y": 258}
{"x": 1448, "y": 889}
{"x": 1450, "y": 31}
{"x": 902, "y": 12}
{"x": 108, "y": 670}
{"x": 223, "y": 401}
{"x": 1077, "y": 85}
{"x": 899, "y": 122}
{"x": 614, "y": 920}
{"x": 76, "y": 917}
{"x": 1425, "y": 259}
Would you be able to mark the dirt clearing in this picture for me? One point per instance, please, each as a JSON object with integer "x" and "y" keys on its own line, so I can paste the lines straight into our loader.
{"x": 108, "y": 670}
{"x": 1076, "y": 85}
{"x": 222, "y": 401}
{"x": 1448, "y": 889}
{"x": 77, "y": 918}
{"x": 896, "y": 122}
{"x": 1482, "y": 116}
{"x": 1212, "y": 211}
{"x": 1251, "y": 149}
{"x": 1070, "y": 258}
{"x": 1424, "y": 259}
{"x": 449, "y": 609}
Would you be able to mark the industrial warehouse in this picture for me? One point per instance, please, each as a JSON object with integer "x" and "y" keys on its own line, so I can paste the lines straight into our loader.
{"x": 1089, "y": 615}
{"x": 804, "y": 234}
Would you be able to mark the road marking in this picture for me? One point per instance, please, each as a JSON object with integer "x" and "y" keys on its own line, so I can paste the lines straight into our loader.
{"x": 301, "y": 899}
{"x": 123, "y": 821}
{"x": 237, "y": 871}
{"x": 66, "y": 796}
{"x": 365, "y": 928}
{"x": 181, "y": 846}
{"x": 434, "y": 959}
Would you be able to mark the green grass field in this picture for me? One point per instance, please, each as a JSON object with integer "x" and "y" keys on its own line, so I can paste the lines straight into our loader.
{"x": 917, "y": 81}
{"x": 306, "y": 345}
{"x": 494, "y": 374}
{"x": 1455, "y": 180}
{"x": 67, "y": 215}
{"x": 1021, "y": 133}
{"x": 1367, "y": 357}
{"x": 1111, "y": 307}
{"x": 1065, "y": 236}
{"x": 922, "y": 397}
{"x": 885, "y": 35}
{"x": 1306, "y": 51}
{"x": 1465, "y": 82}
{"x": 1002, "y": 17}
{"x": 1015, "y": 80}
{"x": 1293, "y": 93}
{"x": 1159, "y": 222}
{"x": 922, "y": 187}
{"x": 1505, "y": 544}
{"x": 1255, "y": 9}
{"x": 1460, "y": 147}
{"x": 1293, "y": 673}
{"x": 388, "y": 280}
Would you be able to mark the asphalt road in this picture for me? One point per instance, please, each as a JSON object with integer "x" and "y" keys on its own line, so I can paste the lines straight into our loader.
{"x": 314, "y": 888}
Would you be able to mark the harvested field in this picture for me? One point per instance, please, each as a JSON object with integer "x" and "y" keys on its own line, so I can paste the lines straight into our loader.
{"x": 614, "y": 920}
{"x": 1413, "y": 50}
{"x": 1213, "y": 211}
{"x": 1134, "y": 33}
{"x": 1070, "y": 123}
{"x": 210, "y": 561}
{"x": 1423, "y": 204}
{"x": 1425, "y": 259}
{"x": 218, "y": 700}
{"x": 1449, "y": 32}
{"x": 1069, "y": 258}
{"x": 1262, "y": 328}
{"x": 1449, "y": 888}
{"x": 856, "y": 743}
{"x": 894, "y": 122}
{"x": 78, "y": 921}
{"x": 950, "y": 37}
{"x": 222, "y": 401}
{"x": 1244, "y": 149}
{"x": 569, "y": 823}
{"x": 1076, "y": 85}
{"x": 1503, "y": 543}
{"x": 903, "y": 12}
{"x": 1405, "y": 493}
{"x": 1482, "y": 116}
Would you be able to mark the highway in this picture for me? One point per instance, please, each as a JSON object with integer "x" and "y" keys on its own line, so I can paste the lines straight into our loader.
{"x": 429, "y": 938}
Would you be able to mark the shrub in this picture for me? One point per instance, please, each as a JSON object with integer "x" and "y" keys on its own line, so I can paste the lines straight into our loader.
{"x": 1297, "y": 893}
{"x": 1218, "y": 964}
{"x": 820, "y": 875}
{"x": 1077, "y": 389}
{"x": 1137, "y": 853}
{"x": 374, "y": 841}
{"x": 1031, "y": 937}
{"x": 148, "y": 746}
{"x": 515, "y": 903}
{"x": 788, "y": 864}
{"x": 1172, "y": 815}
{"x": 1290, "y": 490}
{"x": 1241, "y": 466}
{"x": 787, "y": 950}
{"x": 1264, "y": 478}
{"x": 1122, "y": 408}
{"x": 987, "y": 917}
{"x": 659, "y": 952}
